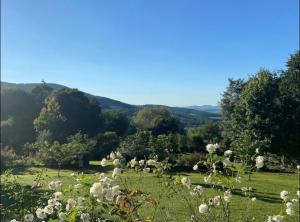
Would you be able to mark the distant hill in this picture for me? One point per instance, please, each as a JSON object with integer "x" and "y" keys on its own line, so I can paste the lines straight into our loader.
{"x": 207, "y": 108}
{"x": 189, "y": 116}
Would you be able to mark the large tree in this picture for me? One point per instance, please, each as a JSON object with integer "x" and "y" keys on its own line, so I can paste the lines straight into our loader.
{"x": 159, "y": 121}
{"x": 67, "y": 112}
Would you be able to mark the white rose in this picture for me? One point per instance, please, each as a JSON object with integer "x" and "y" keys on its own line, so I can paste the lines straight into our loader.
{"x": 116, "y": 162}
{"x": 203, "y": 208}
{"x": 116, "y": 172}
{"x": 284, "y": 195}
{"x": 40, "y": 213}
{"x": 103, "y": 162}
{"x": 195, "y": 167}
{"x": 58, "y": 196}
{"x": 228, "y": 153}
{"x": 186, "y": 182}
{"x": 28, "y": 217}
{"x": 259, "y": 161}
{"x": 210, "y": 148}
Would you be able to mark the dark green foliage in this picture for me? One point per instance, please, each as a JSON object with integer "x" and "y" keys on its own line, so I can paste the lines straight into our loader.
{"x": 67, "y": 112}
{"x": 145, "y": 144}
{"x": 77, "y": 149}
{"x": 106, "y": 143}
{"x": 116, "y": 121}
{"x": 18, "y": 110}
{"x": 263, "y": 112}
{"x": 159, "y": 121}
{"x": 204, "y": 134}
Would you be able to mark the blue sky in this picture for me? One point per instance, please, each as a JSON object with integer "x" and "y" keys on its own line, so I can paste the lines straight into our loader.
{"x": 167, "y": 52}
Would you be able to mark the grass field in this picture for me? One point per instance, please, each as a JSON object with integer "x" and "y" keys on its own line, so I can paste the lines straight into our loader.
{"x": 266, "y": 186}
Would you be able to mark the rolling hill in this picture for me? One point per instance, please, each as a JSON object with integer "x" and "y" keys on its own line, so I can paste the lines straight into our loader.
{"x": 189, "y": 116}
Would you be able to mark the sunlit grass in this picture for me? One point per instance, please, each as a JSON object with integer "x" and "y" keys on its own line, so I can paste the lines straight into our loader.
{"x": 266, "y": 187}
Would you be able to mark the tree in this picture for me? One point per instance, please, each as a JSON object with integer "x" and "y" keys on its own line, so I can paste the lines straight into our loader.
{"x": 159, "y": 121}
{"x": 204, "y": 134}
{"x": 228, "y": 103}
{"x": 106, "y": 143}
{"x": 67, "y": 112}
{"x": 287, "y": 136}
{"x": 18, "y": 110}
{"x": 116, "y": 121}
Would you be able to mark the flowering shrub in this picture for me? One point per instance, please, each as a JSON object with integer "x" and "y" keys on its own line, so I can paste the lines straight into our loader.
{"x": 110, "y": 197}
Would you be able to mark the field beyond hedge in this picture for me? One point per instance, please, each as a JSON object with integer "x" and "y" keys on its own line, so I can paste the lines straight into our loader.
{"x": 266, "y": 189}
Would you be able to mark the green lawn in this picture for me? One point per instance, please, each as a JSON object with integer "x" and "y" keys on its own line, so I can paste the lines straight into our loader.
{"x": 267, "y": 187}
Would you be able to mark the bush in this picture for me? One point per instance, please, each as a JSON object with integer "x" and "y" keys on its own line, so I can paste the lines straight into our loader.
{"x": 187, "y": 161}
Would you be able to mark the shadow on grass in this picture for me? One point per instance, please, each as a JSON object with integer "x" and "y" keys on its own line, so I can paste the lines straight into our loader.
{"x": 262, "y": 196}
{"x": 88, "y": 169}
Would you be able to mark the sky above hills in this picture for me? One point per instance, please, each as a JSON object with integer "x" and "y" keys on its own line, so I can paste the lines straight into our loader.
{"x": 169, "y": 52}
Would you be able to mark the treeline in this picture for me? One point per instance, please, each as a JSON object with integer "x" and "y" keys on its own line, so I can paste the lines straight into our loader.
{"x": 263, "y": 112}
{"x": 64, "y": 127}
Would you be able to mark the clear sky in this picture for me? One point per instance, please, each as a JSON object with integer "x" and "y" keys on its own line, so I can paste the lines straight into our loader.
{"x": 171, "y": 52}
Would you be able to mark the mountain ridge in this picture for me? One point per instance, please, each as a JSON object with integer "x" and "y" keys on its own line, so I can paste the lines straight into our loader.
{"x": 188, "y": 116}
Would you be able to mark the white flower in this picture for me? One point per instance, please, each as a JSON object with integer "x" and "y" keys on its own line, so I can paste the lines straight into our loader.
{"x": 119, "y": 155}
{"x": 195, "y": 167}
{"x": 116, "y": 162}
{"x": 186, "y": 182}
{"x": 259, "y": 162}
{"x": 85, "y": 217}
{"x": 77, "y": 186}
{"x": 133, "y": 162}
{"x": 276, "y": 218}
{"x": 197, "y": 191}
{"x": 112, "y": 155}
{"x": 62, "y": 216}
{"x": 14, "y": 220}
{"x": 211, "y": 148}
{"x": 142, "y": 163}
{"x": 298, "y": 167}
{"x": 96, "y": 190}
{"x": 72, "y": 175}
{"x": 116, "y": 172}
{"x": 257, "y": 151}
{"x": 244, "y": 189}
{"x": 58, "y": 184}
{"x": 48, "y": 209}
{"x": 52, "y": 202}
{"x": 217, "y": 200}
{"x": 115, "y": 190}
{"x": 58, "y": 196}
{"x": 146, "y": 170}
{"x": 227, "y": 196}
{"x": 289, "y": 211}
{"x": 51, "y": 185}
{"x": 28, "y": 217}
{"x": 228, "y": 153}
{"x": 253, "y": 199}
{"x": 203, "y": 208}
{"x": 284, "y": 195}
{"x": 40, "y": 213}
{"x": 103, "y": 162}
{"x": 298, "y": 193}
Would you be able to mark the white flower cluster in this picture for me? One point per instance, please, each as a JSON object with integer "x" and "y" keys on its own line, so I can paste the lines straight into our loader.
{"x": 105, "y": 189}
{"x": 211, "y": 148}
{"x": 186, "y": 182}
{"x": 197, "y": 191}
{"x": 259, "y": 162}
{"x": 215, "y": 201}
{"x": 55, "y": 185}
